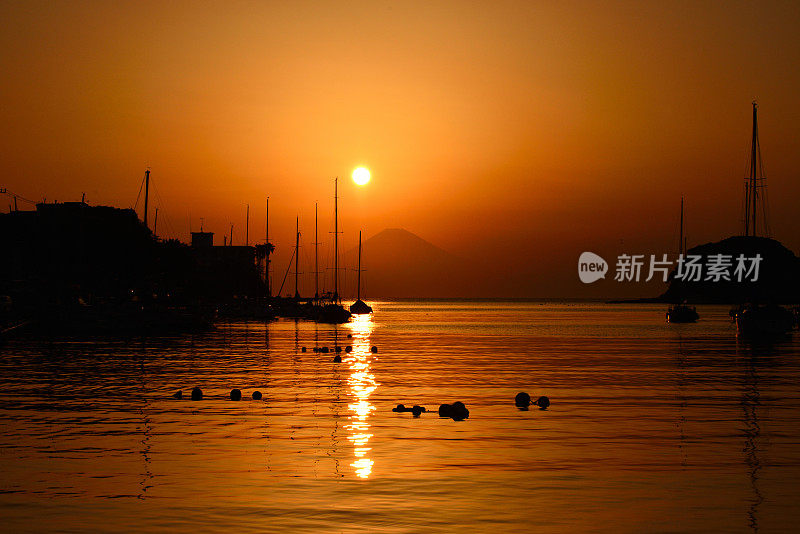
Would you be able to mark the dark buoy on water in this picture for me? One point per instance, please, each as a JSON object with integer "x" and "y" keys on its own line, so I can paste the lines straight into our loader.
{"x": 374, "y": 349}
{"x": 399, "y": 408}
{"x": 256, "y": 395}
{"x": 303, "y": 349}
{"x": 543, "y": 402}
{"x": 522, "y": 400}
{"x": 236, "y": 395}
{"x": 459, "y": 411}
{"x": 348, "y": 349}
{"x": 417, "y": 410}
{"x": 197, "y": 394}
{"x": 445, "y": 410}
{"x": 338, "y": 349}
{"x": 178, "y": 395}
{"x": 337, "y": 359}
{"x": 324, "y": 350}
{"x": 349, "y": 336}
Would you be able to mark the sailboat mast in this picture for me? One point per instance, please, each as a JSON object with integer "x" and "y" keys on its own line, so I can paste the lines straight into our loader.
{"x": 316, "y": 253}
{"x": 358, "y": 291}
{"x": 754, "y": 168}
{"x": 146, "y": 194}
{"x": 266, "y": 240}
{"x": 155, "y": 224}
{"x": 297, "y": 258}
{"x": 680, "y": 239}
{"x": 336, "y": 240}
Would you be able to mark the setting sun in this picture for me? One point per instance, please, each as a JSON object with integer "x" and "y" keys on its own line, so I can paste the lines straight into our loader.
{"x": 361, "y": 175}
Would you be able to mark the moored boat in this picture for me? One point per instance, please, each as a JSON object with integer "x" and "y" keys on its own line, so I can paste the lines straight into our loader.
{"x": 359, "y": 307}
{"x": 754, "y": 320}
{"x": 681, "y": 313}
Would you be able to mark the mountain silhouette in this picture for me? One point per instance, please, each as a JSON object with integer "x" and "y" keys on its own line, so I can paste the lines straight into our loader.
{"x": 399, "y": 263}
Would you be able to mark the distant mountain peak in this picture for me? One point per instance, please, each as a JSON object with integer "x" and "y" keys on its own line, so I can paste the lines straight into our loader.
{"x": 400, "y": 263}
{"x": 402, "y": 239}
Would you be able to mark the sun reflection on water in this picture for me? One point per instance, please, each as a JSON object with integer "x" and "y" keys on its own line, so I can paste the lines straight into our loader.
{"x": 361, "y": 384}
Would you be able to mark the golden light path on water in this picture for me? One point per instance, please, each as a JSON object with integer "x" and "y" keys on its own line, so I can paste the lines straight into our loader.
{"x": 361, "y": 384}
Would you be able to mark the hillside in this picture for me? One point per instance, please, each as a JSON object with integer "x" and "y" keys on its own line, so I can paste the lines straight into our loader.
{"x": 778, "y": 280}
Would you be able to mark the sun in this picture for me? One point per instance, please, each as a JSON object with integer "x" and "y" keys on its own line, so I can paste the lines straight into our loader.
{"x": 361, "y": 175}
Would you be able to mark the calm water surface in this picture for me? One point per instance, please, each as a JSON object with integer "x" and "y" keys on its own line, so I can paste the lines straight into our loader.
{"x": 653, "y": 427}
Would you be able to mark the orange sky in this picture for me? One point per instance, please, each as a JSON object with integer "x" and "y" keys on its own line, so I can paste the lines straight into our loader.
{"x": 517, "y": 133}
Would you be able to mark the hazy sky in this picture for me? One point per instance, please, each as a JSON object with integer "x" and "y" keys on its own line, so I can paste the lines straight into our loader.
{"x": 513, "y": 134}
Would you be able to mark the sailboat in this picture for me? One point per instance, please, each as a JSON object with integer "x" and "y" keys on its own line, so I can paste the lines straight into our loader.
{"x": 754, "y": 319}
{"x": 291, "y": 306}
{"x": 681, "y": 313}
{"x": 359, "y": 307}
{"x": 333, "y": 311}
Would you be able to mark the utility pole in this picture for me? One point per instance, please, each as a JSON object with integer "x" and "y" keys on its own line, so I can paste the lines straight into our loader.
{"x": 247, "y": 228}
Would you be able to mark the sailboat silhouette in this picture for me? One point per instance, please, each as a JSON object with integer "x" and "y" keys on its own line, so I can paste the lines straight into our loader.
{"x": 359, "y": 307}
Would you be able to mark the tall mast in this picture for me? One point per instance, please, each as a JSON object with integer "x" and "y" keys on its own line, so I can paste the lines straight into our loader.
{"x": 358, "y": 291}
{"x": 155, "y": 223}
{"x": 316, "y": 255}
{"x": 680, "y": 239}
{"x": 753, "y": 168}
{"x": 297, "y": 258}
{"x": 266, "y": 241}
{"x": 247, "y": 228}
{"x": 756, "y": 176}
{"x": 336, "y": 240}
{"x": 146, "y": 194}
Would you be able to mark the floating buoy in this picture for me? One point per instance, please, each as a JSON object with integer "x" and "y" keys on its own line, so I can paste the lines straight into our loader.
{"x": 349, "y": 336}
{"x": 197, "y": 394}
{"x": 256, "y": 395}
{"x": 543, "y": 402}
{"x": 236, "y": 395}
{"x": 324, "y": 350}
{"x": 459, "y": 411}
{"x": 374, "y": 349}
{"x": 303, "y": 349}
{"x": 399, "y": 408}
{"x": 348, "y": 349}
{"x": 337, "y": 359}
{"x": 178, "y": 395}
{"x": 445, "y": 410}
{"x": 338, "y": 349}
{"x": 417, "y": 410}
{"x": 522, "y": 400}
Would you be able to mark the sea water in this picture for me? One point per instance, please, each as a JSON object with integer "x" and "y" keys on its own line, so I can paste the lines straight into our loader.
{"x": 653, "y": 427}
